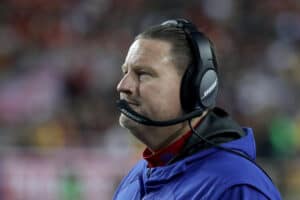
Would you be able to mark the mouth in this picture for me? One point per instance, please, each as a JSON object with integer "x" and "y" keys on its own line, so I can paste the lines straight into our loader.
{"x": 132, "y": 103}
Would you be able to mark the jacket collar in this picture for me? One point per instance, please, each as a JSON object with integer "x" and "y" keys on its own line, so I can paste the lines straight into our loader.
{"x": 245, "y": 145}
{"x": 218, "y": 127}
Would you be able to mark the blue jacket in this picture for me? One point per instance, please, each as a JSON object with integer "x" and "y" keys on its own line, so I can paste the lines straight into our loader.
{"x": 210, "y": 174}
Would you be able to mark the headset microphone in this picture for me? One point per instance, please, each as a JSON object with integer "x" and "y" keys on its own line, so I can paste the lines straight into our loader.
{"x": 130, "y": 113}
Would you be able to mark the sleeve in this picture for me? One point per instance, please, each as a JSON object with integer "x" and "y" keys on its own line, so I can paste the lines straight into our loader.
{"x": 243, "y": 192}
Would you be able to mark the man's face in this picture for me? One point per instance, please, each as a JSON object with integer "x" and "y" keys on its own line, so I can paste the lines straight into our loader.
{"x": 150, "y": 82}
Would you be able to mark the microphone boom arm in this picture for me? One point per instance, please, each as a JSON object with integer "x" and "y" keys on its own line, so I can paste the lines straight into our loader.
{"x": 130, "y": 113}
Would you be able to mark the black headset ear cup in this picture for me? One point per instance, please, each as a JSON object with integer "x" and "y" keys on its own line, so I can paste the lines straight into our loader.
{"x": 199, "y": 83}
{"x": 208, "y": 88}
{"x": 198, "y": 92}
{"x": 187, "y": 93}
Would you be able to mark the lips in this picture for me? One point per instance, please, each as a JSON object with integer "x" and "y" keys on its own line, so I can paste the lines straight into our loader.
{"x": 131, "y": 102}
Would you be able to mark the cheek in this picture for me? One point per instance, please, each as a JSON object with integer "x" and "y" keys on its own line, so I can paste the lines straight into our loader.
{"x": 165, "y": 102}
{"x": 171, "y": 103}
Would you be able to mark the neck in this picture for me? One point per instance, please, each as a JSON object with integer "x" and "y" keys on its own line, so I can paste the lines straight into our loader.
{"x": 162, "y": 139}
{"x": 171, "y": 138}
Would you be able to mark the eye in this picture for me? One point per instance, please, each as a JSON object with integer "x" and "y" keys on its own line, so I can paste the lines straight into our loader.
{"x": 143, "y": 75}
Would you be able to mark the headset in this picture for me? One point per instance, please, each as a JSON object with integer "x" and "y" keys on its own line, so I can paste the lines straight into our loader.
{"x": 199, "y": 85}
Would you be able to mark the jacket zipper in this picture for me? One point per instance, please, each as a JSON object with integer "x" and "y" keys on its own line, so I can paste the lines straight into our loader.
{"x": 149, "y": 171}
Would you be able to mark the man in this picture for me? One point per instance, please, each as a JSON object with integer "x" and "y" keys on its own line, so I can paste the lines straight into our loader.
{"x": 194, "y": 150}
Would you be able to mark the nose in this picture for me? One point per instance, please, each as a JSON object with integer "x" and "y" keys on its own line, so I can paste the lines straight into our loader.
{"x": 126, "y": 84}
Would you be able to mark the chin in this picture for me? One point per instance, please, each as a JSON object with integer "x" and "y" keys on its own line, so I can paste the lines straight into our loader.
{"x": 125, "y": 122}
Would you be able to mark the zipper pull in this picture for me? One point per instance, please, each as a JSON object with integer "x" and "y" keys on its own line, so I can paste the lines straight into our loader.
{"x": 149, "y": 172}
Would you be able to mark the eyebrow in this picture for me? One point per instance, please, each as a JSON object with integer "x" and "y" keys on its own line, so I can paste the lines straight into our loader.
{"x": 137, "y": 67}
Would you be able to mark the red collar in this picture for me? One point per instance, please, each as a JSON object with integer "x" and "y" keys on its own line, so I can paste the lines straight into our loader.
{"x": 163, "y": 156}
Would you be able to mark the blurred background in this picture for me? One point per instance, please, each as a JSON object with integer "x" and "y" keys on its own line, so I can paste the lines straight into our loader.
{"x": 60, "y": 63}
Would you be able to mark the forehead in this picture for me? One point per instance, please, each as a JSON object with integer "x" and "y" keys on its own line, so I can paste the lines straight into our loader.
{"x": 148, "y": 52}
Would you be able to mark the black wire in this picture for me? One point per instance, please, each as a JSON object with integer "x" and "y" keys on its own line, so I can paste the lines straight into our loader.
{"x": 212, "y": 143}
{"x": 227, "y": 149}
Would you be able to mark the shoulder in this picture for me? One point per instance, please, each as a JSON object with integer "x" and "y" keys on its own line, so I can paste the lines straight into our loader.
{"x": 221, "y": 171}
{"x": 228, "y": 169}
{"x": 131, "y": 180}
{"x": 135, "y": 172}
{"x": 248, "y": 192}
